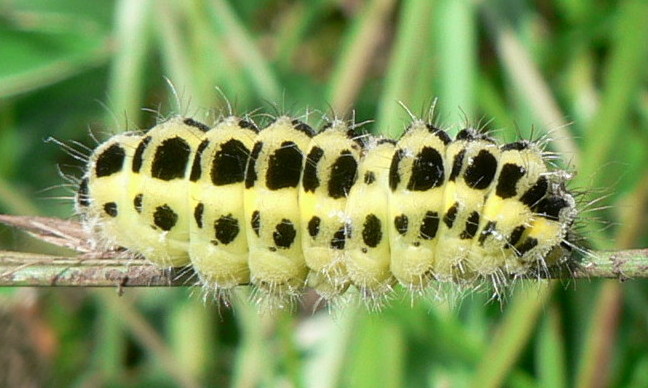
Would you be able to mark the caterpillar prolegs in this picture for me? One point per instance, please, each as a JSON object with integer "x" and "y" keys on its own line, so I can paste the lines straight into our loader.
{"x": 285, "y": 207}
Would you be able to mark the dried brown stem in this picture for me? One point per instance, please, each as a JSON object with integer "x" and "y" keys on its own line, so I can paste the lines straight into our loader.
{"x": 27, "y": 269}
{"x": 96, "y": 269}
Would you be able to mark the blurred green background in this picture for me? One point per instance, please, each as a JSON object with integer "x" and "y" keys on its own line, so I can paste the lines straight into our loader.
{"x": 574, "y": 68}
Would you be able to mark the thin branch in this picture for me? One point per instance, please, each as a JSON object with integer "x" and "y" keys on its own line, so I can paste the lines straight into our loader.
{"x": 622, "y": 265}
{"x": 112, "y": 269}
{"x": 18, "y": 269}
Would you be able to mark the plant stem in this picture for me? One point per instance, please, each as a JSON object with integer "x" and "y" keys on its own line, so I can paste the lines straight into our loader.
{"x": 19, "y": 269}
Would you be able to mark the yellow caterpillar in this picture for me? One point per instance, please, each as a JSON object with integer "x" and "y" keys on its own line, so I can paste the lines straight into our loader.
{"x": 284, "y": 207}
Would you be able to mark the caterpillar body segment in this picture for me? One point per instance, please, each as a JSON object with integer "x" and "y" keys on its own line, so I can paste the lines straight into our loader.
{"x": 417, "y": 178}
{"x": 271, "y": 204}
{"x": 506, "y": 242}
{"x": 100, "y": 201}
{"x": 368, "y": 253}
{"x": 507, "y": 211}
{"x": 159, "y": 192}
{"x": 543, "y": 241}
{"x": 472, "y": 165}
{"x": 329, "y": 172}
{"x": 218, "y": 245}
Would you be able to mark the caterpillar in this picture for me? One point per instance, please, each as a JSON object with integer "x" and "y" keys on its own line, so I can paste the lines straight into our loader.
{"x": 285, "y": 207}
